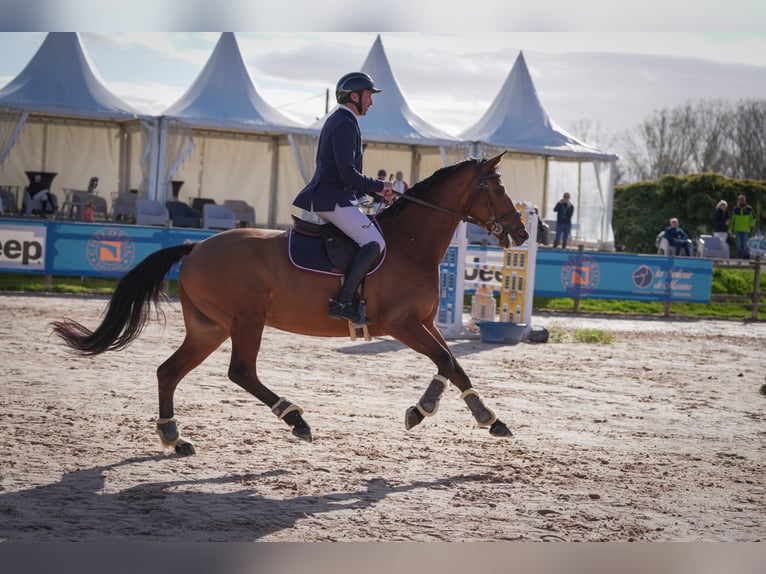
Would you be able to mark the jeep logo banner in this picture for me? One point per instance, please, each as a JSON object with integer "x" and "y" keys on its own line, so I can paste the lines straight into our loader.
{"x": 22, "y": 247}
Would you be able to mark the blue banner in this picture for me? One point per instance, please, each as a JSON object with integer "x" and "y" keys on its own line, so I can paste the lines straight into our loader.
{"x": 595, "y": 275}
{"x": 73, "y": 248}
{"x": 91, "y": 249}
{"x": 23, "y": 246}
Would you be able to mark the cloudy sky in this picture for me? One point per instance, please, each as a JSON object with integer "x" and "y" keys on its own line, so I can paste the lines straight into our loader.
{"x": 611, "y": 81}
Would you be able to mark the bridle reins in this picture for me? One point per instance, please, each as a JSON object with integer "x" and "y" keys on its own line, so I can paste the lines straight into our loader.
{"x": 492, "y": 225}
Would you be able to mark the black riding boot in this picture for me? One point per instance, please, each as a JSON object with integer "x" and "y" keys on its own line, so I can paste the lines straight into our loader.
{"x": 342, "y": 306}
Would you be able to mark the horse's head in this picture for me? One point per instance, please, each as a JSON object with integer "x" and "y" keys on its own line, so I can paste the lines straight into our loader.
{"x": 493, "y": 209}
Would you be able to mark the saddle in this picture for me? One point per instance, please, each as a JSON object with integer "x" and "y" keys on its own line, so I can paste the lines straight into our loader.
{"x": 322, "y": 248}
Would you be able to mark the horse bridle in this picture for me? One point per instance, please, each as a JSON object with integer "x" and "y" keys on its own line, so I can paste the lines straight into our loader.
{"x": 492, "y": 225}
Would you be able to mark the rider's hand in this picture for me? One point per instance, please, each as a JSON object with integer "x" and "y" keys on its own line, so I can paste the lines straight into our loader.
{"x": 388, "y": 191}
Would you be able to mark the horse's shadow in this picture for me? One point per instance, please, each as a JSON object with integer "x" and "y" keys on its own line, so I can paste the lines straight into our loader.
{"x": 80, "y": 507}
{"x": 459, "y": 347}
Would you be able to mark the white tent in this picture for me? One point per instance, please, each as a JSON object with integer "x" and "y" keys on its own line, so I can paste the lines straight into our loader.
{"x": 57, "y": 116}
{"x": 396, "y": 138}
{"x": 544, "y": 161}
{"x": 226, "y": 142}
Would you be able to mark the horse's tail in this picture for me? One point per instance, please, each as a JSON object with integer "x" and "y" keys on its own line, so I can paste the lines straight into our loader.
{"x": 128, "y": 311}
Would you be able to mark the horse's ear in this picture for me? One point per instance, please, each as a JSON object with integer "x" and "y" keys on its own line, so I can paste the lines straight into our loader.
{"x": 493, "y": 162}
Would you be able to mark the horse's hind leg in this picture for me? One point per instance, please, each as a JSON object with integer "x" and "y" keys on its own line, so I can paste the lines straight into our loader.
{"x": 203, "y": 336}
{"x": 246, "y": 335}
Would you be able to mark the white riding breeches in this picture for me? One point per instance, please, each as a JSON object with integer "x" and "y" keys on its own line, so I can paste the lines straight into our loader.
{"x": 354, "y": 223}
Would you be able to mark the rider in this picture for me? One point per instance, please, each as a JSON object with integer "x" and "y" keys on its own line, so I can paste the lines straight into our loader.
{"x": 333, "y": 194}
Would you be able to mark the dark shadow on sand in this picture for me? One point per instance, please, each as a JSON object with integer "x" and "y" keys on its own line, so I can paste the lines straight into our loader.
{"x": 77, "y": 508}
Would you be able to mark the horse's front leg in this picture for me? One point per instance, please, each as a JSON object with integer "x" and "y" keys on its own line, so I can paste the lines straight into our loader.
{"x": 245, "y": 344}
{"x": 429, "y": 341}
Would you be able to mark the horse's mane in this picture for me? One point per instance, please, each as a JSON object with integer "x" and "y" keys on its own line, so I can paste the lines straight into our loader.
{"x": 420, "y": 188}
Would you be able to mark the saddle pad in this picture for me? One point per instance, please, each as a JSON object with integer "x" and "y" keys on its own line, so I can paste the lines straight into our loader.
{"x": 310, "y": 254}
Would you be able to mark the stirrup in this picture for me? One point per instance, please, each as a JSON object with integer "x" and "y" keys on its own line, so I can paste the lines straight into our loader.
{"x": 344, "y": 311}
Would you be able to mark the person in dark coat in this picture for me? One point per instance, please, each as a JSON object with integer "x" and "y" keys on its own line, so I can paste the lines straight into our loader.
{"x": 721, "y": 219}
{"x": 564, "y": 211}
{"x": 677, "y": 238}
{"x": 338, "y": 187}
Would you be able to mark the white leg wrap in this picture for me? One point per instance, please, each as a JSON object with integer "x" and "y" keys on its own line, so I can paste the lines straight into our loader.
{"x": 429, "y": 402}
{"x": 160, "y": 432}
{"x": 484, "y": 415}
{"x": 283, "y": 407}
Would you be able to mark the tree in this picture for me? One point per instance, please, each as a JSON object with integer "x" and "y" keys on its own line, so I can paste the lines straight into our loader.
{"x": 709, "y": 136}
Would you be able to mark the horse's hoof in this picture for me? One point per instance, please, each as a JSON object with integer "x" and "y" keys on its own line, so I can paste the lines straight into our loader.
{"x": 412, "y": 418}
{"x": 303, "y": 432}
{"x": 185, "y": 448}
{"x": 499, "y": 428}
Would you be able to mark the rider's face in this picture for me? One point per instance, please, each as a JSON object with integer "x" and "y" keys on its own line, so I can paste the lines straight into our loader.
{"x": 366, "y": 101}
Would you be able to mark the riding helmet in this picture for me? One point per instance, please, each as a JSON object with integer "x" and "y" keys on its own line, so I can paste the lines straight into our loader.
{"x": 353, "y": 82}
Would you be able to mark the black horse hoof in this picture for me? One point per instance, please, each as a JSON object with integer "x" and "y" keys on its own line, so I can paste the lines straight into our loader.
{"x": 412, "y": 418}
{"x": 500, "y": 429}
{"x": 303, "y": 432}
{"x": 185, "y": 448}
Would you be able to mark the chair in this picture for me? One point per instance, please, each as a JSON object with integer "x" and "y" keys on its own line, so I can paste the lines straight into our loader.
{"x": 32, "y": 206}
{"x": 243, "y": 211}
{"x": 124, "y": 207}
{"x": 74, "y": 202}
{"x": 712, "y": 247}
{"x": 199, "y": 202}
{"x": 182, "y": 215}
{"x": 217, "y": 217}
{"x": 10, "y": 203}
{"x": 100, "y": 207}
{"x": 151, "y": 212}
{"x": 664, "y": 247}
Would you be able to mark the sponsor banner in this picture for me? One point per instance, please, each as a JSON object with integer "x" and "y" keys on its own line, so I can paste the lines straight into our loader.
{"x": 596, "y": 275}
{"x": 22, "y": 246}
{"x": 483, "y": 266}
{"x": 109, "y": 250}
{"x": 624, "y": 276}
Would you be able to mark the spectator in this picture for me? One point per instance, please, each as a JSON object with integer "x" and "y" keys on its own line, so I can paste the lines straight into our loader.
{"x": 399, "y": 184}
{"x": 740, "y": 226}
{"x": 542, "y": 229}
{"x": 381, "y": 177}
{"x": 89, "y": 213}
{"x": 677, "y": 238}
{"x": 721, "y": 219}
{"x": 42, "y": 197}
{"x": 564, "y": 211}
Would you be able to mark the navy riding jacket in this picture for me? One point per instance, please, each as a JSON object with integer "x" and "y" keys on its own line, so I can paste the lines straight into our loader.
{"x": 338, "y": 179}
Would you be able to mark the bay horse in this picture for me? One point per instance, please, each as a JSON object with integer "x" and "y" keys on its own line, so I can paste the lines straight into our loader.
{"x": 237, "y": 282}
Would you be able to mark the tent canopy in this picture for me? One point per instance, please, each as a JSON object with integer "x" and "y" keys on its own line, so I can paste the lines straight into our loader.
{"x": 69, "y": 123}
{"x": 224, "y": 141}
{"x": 223, "y": 96}
{"x": 517, "y": 121}
{"x": 391, "y": 119}
{"x": 61, "y": 80}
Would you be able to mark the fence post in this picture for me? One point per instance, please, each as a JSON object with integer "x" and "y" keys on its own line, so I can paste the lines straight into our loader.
{"x": 576, "y": 309}
{"x": 756, "y": 286}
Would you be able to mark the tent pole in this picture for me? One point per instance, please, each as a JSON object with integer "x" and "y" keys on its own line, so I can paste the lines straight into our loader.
{"x": 273, "y": 184}
{"x": 414, "y": 166}
{"x": 544, "y": 208}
